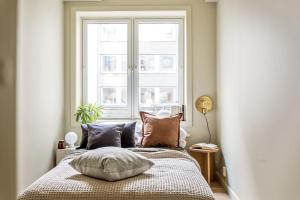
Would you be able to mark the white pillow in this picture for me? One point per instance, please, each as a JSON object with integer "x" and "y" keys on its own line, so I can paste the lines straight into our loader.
{"x": 182, "y": 138}
{"x": 111, "y": 163}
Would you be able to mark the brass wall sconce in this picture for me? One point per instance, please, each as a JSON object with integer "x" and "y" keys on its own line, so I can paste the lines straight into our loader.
{"x": 204, "y": 104}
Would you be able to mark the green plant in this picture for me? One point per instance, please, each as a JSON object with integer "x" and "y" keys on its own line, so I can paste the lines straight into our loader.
{"x": 88, "y": 113}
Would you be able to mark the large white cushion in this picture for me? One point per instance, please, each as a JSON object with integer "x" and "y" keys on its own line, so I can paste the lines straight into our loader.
{"x": 111, "y": 163}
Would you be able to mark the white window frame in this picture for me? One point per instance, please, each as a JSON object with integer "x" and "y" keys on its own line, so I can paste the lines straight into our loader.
{"x": 75, "y": 14}
{"x": 131, "y": 111}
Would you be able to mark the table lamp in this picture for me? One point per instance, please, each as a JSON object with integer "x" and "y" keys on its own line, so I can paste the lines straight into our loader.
{"x": 71, "y": 139}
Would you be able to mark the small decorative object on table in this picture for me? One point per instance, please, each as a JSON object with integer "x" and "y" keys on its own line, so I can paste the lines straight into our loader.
{"x": 61, "y": 144}
{"x": 71, "y": 139}
{"x": 206, "y": 160}
{"x": 62, "y": 151}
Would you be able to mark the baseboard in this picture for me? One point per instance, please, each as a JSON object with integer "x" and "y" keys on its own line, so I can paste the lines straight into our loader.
{"x": 230, "y": 191}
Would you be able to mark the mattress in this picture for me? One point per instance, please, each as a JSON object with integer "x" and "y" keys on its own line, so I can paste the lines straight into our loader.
{"x": 175, "y": 175}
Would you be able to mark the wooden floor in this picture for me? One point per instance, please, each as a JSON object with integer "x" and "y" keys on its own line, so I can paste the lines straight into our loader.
{"x": 219, "y": 192}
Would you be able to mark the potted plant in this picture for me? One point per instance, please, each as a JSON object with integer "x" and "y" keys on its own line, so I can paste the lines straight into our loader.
{"x": 88, "y": 113}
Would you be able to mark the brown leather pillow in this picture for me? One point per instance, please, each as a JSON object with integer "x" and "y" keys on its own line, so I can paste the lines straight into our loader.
{"x": 160, "y": 131}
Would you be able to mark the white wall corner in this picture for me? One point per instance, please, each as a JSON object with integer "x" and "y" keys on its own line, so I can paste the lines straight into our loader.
{"x": 230, "y": 191}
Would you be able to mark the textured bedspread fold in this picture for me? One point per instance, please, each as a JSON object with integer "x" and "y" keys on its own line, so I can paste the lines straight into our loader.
{"x": 175, "y": 175}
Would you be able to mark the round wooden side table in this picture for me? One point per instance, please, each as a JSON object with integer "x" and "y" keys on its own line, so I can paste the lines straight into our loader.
{"x": 206, "y": 160}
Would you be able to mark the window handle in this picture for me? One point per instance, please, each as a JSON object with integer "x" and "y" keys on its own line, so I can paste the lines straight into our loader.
{"x": 132, "y": 67}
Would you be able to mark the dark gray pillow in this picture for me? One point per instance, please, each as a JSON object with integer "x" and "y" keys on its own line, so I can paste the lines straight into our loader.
{"x": 102, "y": 135}
{"x": 84, "y": 137}
{"x": 128, "y": 135}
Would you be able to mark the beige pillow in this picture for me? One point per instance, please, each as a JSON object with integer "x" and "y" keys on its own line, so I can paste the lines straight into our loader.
{"x": 160, "y": 131}
{"x": 111, "y": 163}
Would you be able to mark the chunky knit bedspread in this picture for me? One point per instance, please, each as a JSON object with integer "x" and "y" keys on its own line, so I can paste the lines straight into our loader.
{"x": 175, "y": 175}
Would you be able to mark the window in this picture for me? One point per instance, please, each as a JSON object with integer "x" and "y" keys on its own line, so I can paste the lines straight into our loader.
{"x": 133, "y": 64}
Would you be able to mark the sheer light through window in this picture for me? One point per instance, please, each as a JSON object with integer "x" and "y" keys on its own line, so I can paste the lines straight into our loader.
{"x": 133, "y": 65}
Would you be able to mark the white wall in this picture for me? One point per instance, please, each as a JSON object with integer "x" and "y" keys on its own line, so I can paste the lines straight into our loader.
{"x": 40, "y": 87}
{"x": 204, "y": 66}
{"x": 259, "y": 97}
{"x": 8, "y": 9}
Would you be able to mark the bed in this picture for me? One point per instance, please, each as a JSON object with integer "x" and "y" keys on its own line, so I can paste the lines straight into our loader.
{"x": 175, "y": 175}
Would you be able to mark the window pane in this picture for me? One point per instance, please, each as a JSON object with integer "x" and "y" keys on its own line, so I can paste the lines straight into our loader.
{"x": 113, "y": 32}
{"x": 114, "y": 96}
{"x": 147, "y": 63}
{"x": 156, "y": 82}
{"x": 124, "y": 63}
{"x": 109, "y": 96}
{"x": 113, "y": 63}
{"x": 158, "y": 53}
{"x": 147, "y": 96}
{"x": 167, "y": 63}
{"x": 123, "y": 96}
{"x": 166, "y": 95}
{"x": 157, "y": 32}
{"x": 107, "y": 64}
